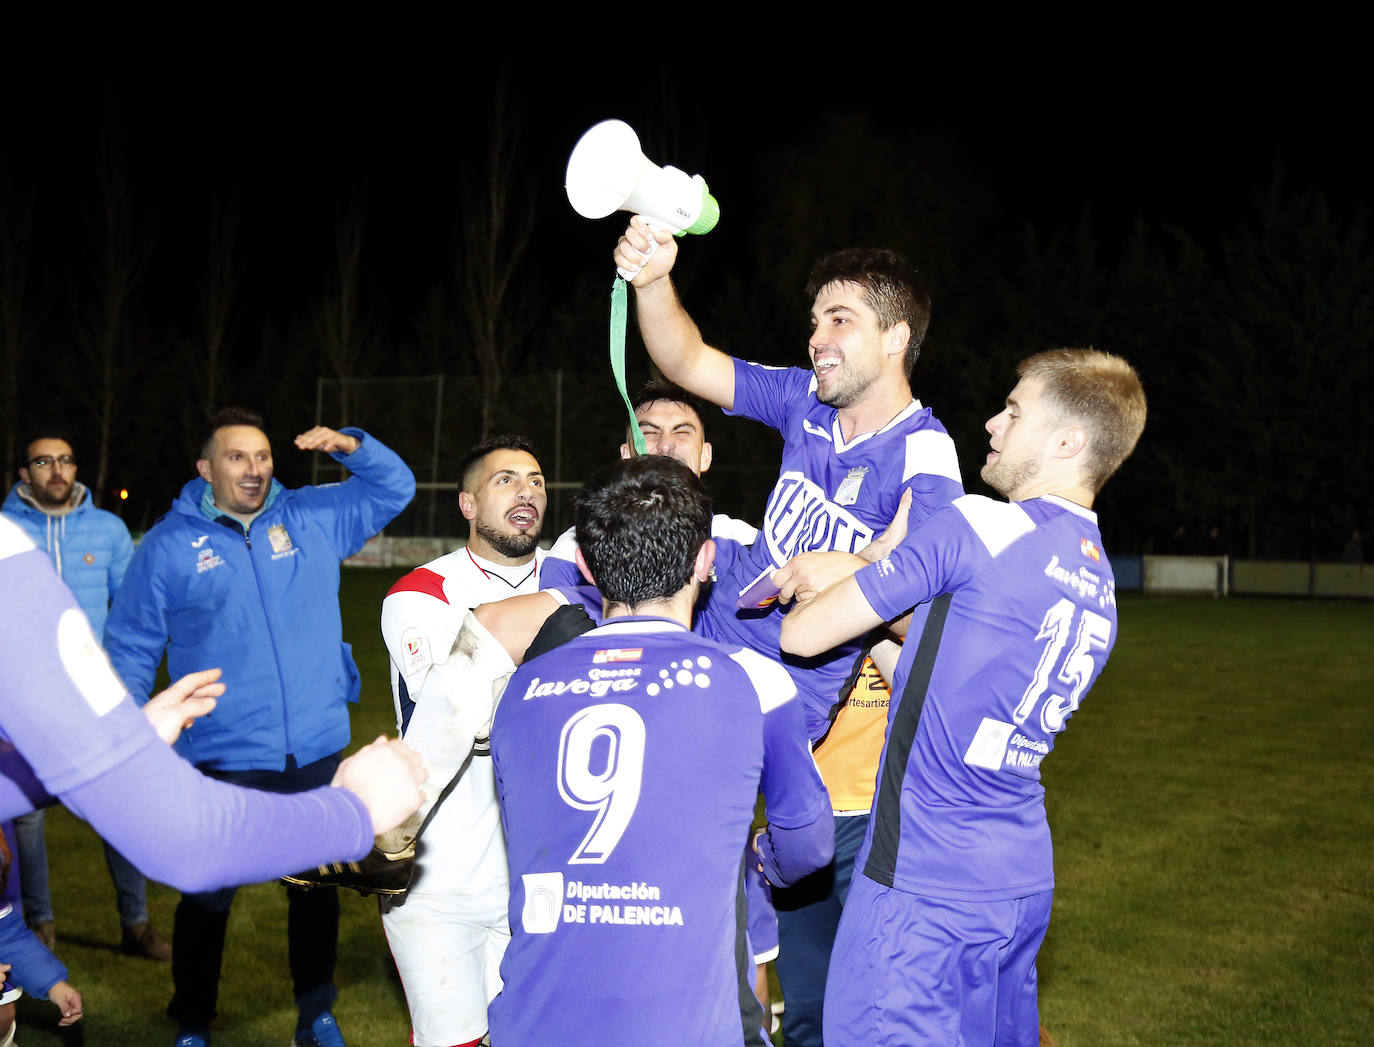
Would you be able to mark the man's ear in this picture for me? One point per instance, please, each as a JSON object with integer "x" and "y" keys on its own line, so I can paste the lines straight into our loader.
{"x": 706, "y": 557}
{"x": 23, "y": 474}
{"x": 625, "y": 453}
{"x": 203, "y": 467}
{"x": 582, "y": 566}
{"x": 705, "y": 457}
{"x": 467, "y": 505}
{"x": 896, "y": 337}
{"x": 1069, "y": 442}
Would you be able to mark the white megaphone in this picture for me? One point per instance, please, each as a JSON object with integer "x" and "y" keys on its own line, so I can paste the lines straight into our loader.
{"x": 607, "y": 172}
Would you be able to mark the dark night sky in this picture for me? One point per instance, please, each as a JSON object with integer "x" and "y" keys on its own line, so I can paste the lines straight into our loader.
{"x": 1176, "y": 132}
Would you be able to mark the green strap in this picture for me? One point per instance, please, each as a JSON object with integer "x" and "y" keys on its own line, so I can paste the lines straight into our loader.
{"x": 618, "y": 312}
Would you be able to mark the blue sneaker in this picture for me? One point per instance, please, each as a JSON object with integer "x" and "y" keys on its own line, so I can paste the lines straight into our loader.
{"x": 323, "y": 1032}
{"x": 192, "y": 1038}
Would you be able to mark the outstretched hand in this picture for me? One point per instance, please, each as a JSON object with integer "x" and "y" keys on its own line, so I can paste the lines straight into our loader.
{"x": 173, "y": 710}
{"x": 330, "y": 441}
{"x": 386, "y": 776}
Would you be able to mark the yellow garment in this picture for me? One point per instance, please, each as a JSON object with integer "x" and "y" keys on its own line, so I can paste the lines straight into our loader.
{"x": 848, "y": 756}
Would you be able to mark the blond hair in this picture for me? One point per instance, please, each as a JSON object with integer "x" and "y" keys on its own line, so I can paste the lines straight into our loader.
{"x": 1098, "y": 391}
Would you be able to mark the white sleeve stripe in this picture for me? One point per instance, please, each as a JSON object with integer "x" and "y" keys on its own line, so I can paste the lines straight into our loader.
{"x": 997, "y": 524}
{"x": 13, "y": 540}
{"x": 932, "y": 452}
{"x": 771, "y": 681}
{"x": 737, "y": 530}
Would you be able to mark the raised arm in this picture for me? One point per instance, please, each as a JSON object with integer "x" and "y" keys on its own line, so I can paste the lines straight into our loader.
{"x": 670, "y": 335}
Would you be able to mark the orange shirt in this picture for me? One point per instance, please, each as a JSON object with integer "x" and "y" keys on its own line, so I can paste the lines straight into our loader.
{"x": 848, "y": 755}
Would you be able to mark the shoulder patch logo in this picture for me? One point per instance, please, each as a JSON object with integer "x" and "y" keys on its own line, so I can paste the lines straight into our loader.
{"x": 416, "y": 652}
{"x": 1090, "y": 550}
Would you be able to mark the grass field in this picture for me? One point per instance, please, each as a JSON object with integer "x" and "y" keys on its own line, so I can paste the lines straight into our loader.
{"x": 1212, "y": 818}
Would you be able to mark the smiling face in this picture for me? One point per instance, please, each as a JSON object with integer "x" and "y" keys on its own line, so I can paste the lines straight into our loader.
{"x": 239, "y": 469}
{"x": 673, "y": 429}
{"x": 1022, "y": 437}
{"x": 50, "y": 483}
{"x": 848, "y": 346}
{"x": 505, "y": 506}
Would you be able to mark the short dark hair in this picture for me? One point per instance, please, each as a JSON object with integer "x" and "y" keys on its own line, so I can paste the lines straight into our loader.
{"x": 503, "y": 442}
{"x": 659, "y": 390}
{"x": 890, "y": 286}
{"x": 224, "y": 417}
{"x": 640, "y": 524}
{"x": 43, "y": 432}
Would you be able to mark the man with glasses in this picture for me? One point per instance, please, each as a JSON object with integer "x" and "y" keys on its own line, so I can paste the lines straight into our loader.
{"x": 90, "y": 549}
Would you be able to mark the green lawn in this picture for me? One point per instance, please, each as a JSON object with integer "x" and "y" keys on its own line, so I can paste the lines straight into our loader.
{"x": 1212, "y": 822}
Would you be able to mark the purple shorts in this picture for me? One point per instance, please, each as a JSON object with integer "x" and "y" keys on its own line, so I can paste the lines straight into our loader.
{"x": 910, "y": 970}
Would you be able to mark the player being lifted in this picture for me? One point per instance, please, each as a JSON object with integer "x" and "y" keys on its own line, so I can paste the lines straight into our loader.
{"x": 1015, "y": 618}
{"x": 854, "y": 438}
{"x": 627, "y": 762}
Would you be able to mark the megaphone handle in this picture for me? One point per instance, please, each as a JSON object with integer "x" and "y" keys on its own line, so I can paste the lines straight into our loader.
{"x": 630, "y": 274}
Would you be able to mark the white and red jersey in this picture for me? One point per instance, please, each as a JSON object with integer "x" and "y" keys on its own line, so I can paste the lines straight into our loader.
{"x": 463, "y": 847}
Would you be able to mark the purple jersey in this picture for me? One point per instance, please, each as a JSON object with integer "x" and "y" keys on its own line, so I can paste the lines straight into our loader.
{"x": 1029, "y": 623}
{"x": 830, "y": 495}
{"x": 628, "y": 761}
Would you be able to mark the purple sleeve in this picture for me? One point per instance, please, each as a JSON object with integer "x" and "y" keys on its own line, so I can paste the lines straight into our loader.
{"x": 556, "y": 573}
{"x": 198, "y": 834}
{"x": 933, "y": 559}
{"x": 801, "y": 827}
{"x": 771, "y": 395}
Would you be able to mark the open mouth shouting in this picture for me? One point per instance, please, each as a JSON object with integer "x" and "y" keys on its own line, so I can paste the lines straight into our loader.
{"x": 523, "y": 517}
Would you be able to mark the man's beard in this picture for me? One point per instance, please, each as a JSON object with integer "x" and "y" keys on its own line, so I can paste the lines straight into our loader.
{"x": 511, "y": 545}
{"x": 849, "y": 389}
{"x": 1007, "y": 477}
{"x": 44, "y": 496}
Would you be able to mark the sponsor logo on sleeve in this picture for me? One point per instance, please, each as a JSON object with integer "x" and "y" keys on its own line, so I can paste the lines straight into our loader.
{"x": 1090, "y": 550}
{"x": 415, "y": 652}
{"x": 618, "y": 654}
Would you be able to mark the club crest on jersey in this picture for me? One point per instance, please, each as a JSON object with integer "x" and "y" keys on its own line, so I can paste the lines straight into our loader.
{"x": 1090, "y": 550}
{"x": 848, "y": 491}
{"x": 206, "y": 560}
{"x": 618, "y": 654}
{"x": 280, "y": 541}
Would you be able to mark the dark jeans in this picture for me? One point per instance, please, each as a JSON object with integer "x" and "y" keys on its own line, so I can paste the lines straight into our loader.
{"x": 312, "y": 922}
{"x": 808, "y": 916}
